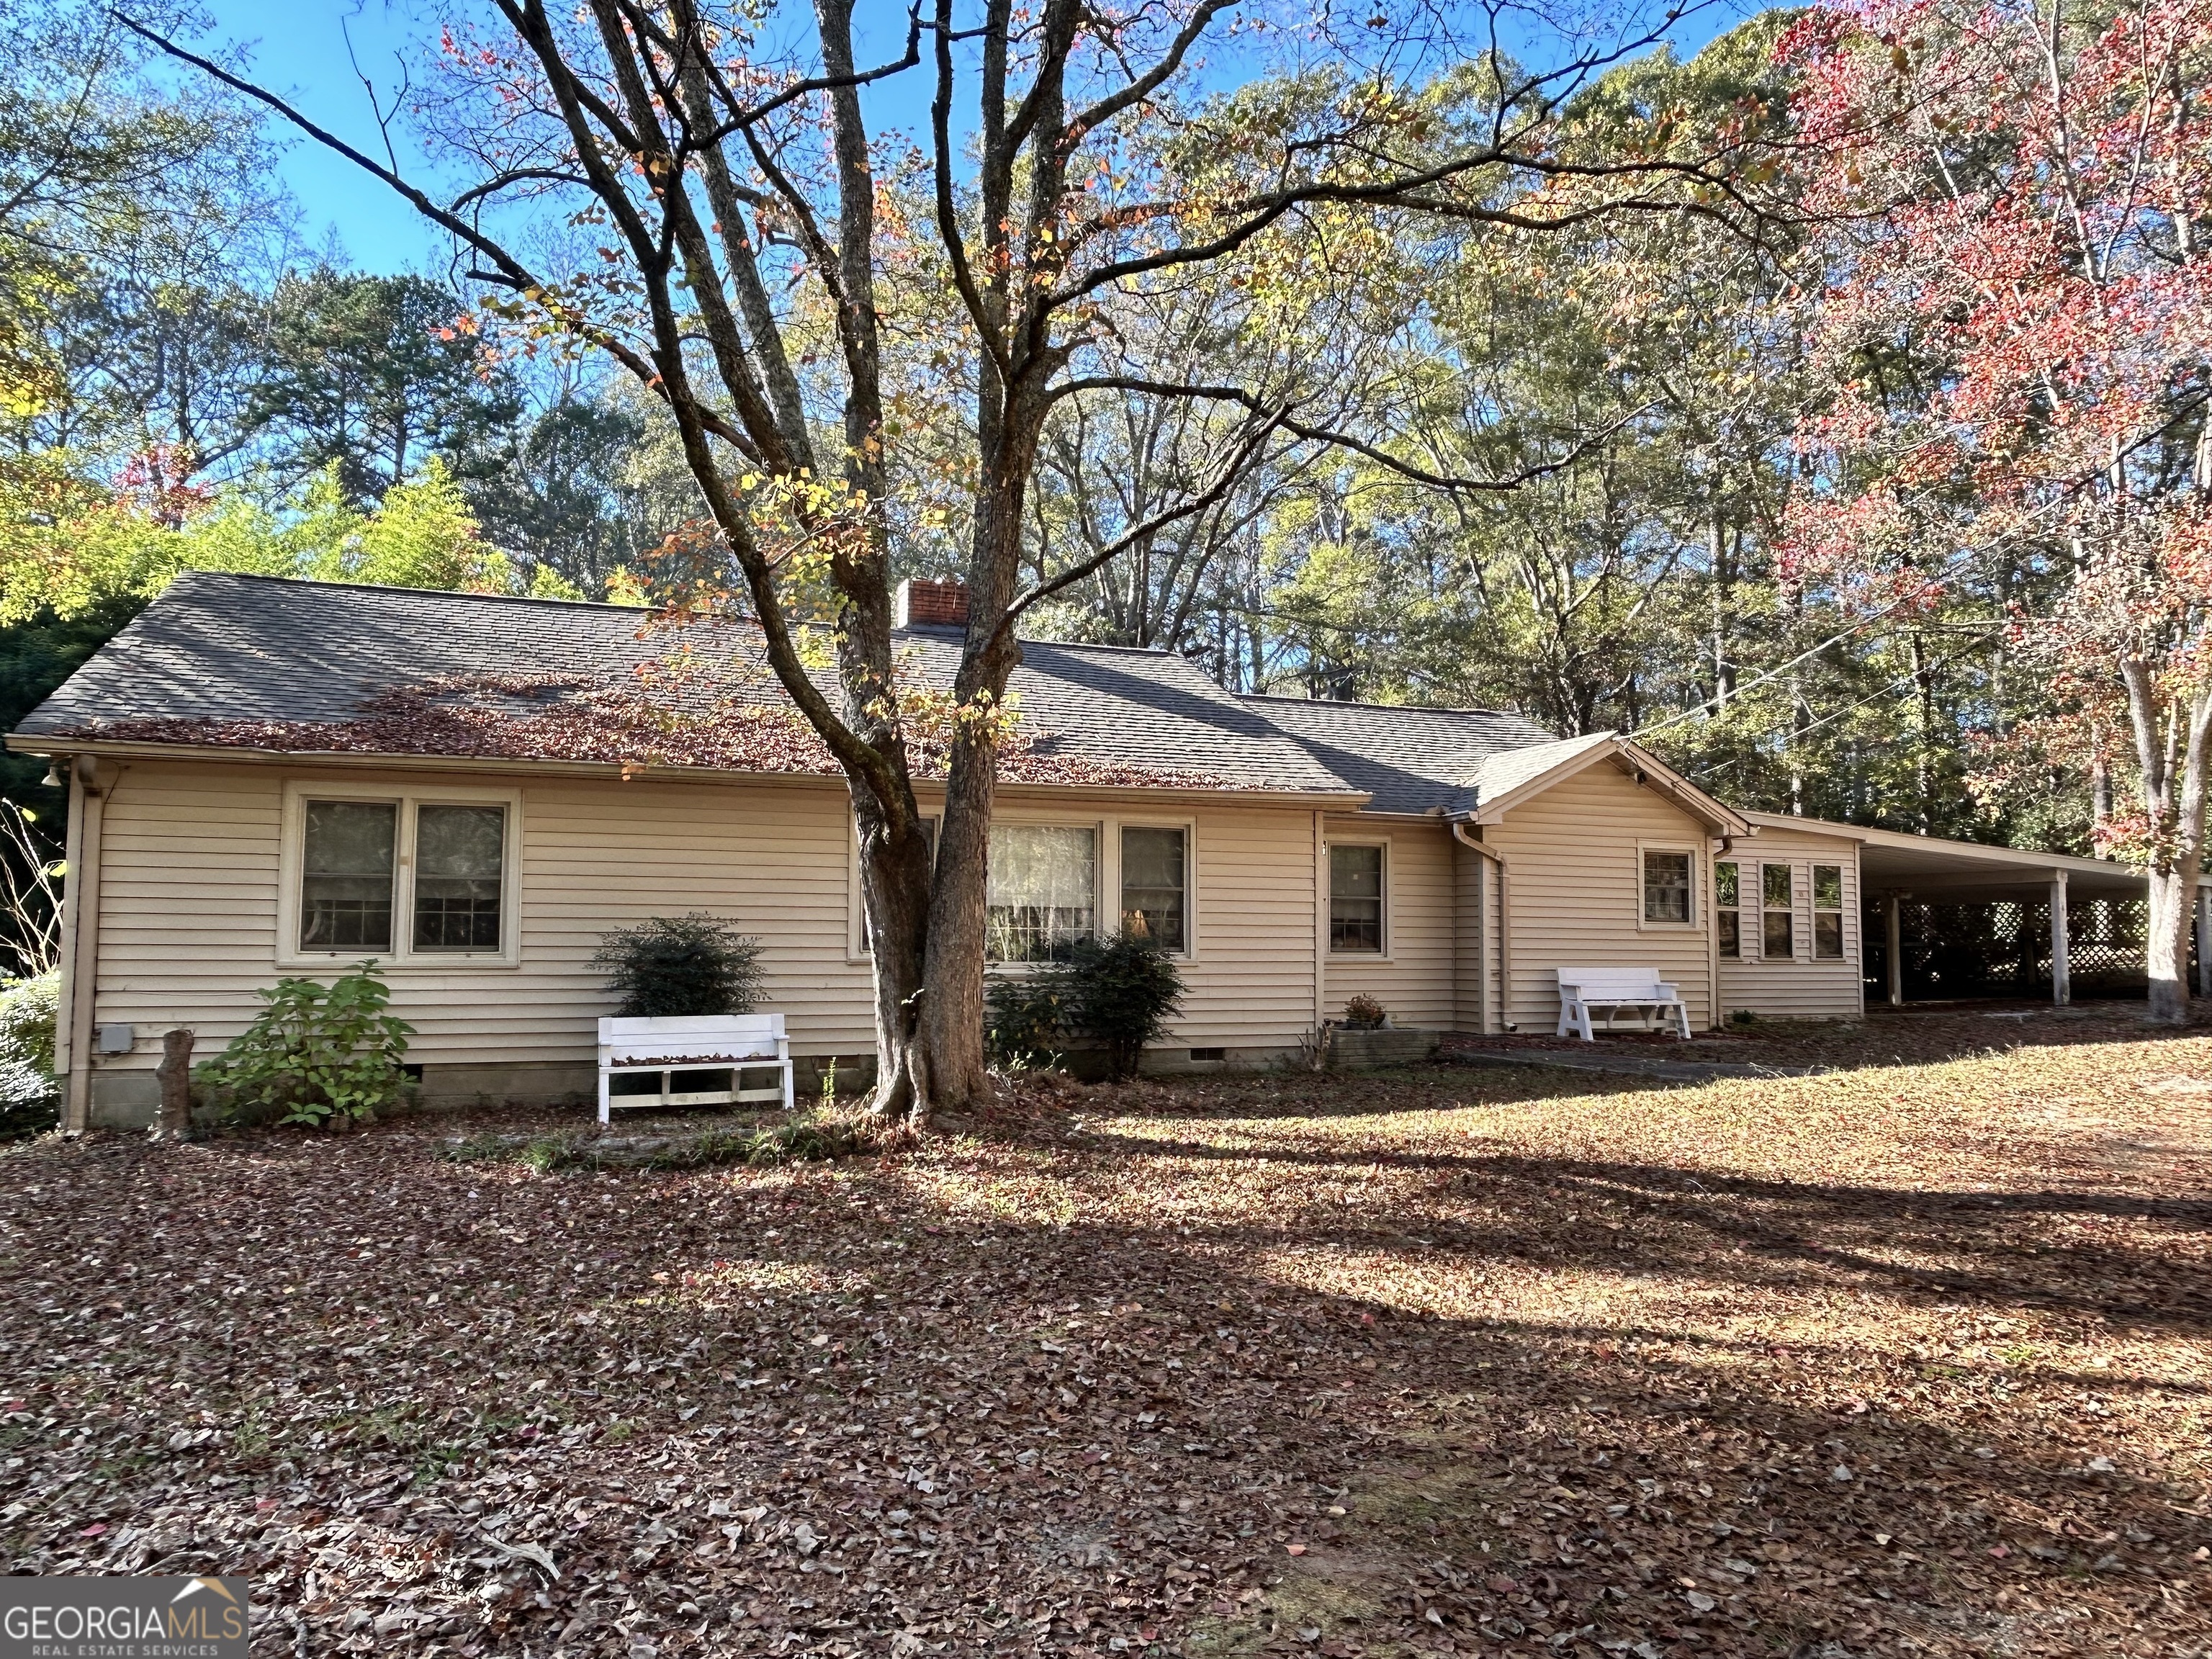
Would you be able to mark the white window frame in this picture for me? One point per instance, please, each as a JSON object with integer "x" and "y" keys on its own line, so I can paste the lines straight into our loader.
{"x": 1105, "y": 901}
{"x": 1713, "y": 886}
{"x": 1695, "y": 855}
{"x": 403, "y": 955}
{"x": 1113, "y": 876}
{"x": 1800, "y": 943}
{"x": 1105, "y": 874}
{"x": 1814, "y": 912}
{"x": 1329, "y": 845}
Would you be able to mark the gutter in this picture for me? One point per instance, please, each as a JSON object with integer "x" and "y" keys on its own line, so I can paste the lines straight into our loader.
{"x": 237, "y": 755}
{"x": 1504, "y": 920}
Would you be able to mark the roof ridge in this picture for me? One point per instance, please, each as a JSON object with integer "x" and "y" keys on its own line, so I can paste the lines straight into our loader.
{"x": 1391, "y": 708}
{"x": 429, "y": 592}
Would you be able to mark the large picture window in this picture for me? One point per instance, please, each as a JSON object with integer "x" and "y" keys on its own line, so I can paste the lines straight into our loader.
{"x": 1043, "y": 892}
{"x": 398, "y": 877}
{"x": 1778, "y": 894}
{"x": 1728, "y": 914}
{"x": 1156, "y": 886}
{"x": 1355, "y": 900}
{"x": 1667, "y": 887}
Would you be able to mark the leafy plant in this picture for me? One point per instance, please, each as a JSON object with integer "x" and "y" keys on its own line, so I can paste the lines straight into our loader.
{"x": 1119, "y": 991}
{"x": 1023, "y": 1018}
{"x": 1364, "y": 1013}
{"x": 318, "y": 1053}
{"x": 30, "y": 1094}
{"x": 671, "y": 966}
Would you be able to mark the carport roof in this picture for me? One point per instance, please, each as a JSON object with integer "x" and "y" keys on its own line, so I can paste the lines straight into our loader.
{"x": 1928, "y": 867}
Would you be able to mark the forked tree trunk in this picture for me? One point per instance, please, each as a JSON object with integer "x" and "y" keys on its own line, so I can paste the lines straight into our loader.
{"x": 895, "y": 888}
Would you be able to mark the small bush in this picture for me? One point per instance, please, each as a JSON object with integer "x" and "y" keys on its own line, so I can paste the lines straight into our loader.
{"x": 318, "y": 1054}
{"x": 1363, "y": 1013}
{"x": 668, "y": 967}
{"x": 1024, "y": 1019}
{"x": 1118, "y": 992}
{"x": 30, "y": 1093}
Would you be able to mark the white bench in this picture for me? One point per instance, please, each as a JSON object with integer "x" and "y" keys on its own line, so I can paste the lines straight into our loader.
{"x": 1581, "y": 989}
{"x": 736, "y": 1044}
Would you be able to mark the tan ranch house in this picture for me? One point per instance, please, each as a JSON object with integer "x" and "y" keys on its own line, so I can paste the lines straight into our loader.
{"x": 270, "y": 777}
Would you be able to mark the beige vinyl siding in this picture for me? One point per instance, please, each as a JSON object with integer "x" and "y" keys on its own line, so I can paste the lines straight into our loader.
{"x": 1474, "y": 945}
{"x": 1803, "y": 987}
{"x": 189, "y": 904}
{"x": 1576, "y": 891}
{"x": 1414, "y": 978}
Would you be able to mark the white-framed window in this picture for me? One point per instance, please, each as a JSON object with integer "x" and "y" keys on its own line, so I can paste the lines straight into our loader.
{"x": 1728, "y": 906}
{"x": 1668, "y": 886}
{"x": 1359, "y": 889}
{"x": 425, "y": 876}
{"x": 1156, "y": 870}
{"x": 1828, "y": 912}
{"x": 1044, "y": 890}
{"x": 1777, "y": 899}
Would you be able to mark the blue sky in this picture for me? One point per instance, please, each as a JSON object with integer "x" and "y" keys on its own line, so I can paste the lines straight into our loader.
{"x": 299, "y": 49}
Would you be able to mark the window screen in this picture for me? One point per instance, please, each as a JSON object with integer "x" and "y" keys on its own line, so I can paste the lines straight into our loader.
{"x": 1828, "y": 911}
{"x": 459, "y": 854}
{"x": 1355, "y": 899}
{"x": 1666, "y": 887}
{"x": 1044, "y": 890}
{"x": 346, "y": 875}
{"x": 1728, "y": 893}
{"x": 1154, "y": 885}
{"x": 1779, "y": 934}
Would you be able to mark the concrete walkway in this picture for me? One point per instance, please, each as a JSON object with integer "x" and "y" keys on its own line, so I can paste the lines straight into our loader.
{"x": 1597, "y": 1059}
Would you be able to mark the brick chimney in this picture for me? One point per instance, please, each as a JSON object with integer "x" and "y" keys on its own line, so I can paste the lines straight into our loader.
{"x": 930, "y": 605}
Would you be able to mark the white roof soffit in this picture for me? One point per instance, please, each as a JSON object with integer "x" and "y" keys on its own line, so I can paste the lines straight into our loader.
{"x": 1931, "y": 867}
{"x": 1504, "y": 782}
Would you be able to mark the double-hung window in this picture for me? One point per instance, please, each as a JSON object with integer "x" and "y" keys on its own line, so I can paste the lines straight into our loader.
{"x": 1778, "y": 897}
{"x": 1667, "y": 887}
{"x": 1355, "y": 900}
{"x": 1043, "y": 893}
{"x": 399, "y": 877}
{"x": 1156, "y": 886}
{"x": 1828, "y": 912}
{"x": 1728, "y": 901}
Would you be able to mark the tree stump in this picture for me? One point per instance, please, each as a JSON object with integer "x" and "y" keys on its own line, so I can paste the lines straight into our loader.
{"x": 175, "y": 1075}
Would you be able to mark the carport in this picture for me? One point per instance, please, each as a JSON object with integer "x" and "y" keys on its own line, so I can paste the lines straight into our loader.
{"x": 2026, "y": 909}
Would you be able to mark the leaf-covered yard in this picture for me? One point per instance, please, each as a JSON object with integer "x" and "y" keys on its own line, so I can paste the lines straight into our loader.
{"x": 1908, "y": 1360}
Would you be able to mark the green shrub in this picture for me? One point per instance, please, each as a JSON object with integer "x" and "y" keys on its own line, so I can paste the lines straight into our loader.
{"x": 317, "y": 1054}
{"x": 30, "y": 1093}
{"x": 1023, "y": 1018}
{"x": 1118, "y": 992}
{"x": 1124, "y": 988}
{"x": 668, "y": 967}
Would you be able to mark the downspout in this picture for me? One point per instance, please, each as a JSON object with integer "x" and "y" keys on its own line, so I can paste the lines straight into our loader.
{"x": 81, "y": 941}
{"x": 1504, "y": 923}
{"x": 1321, "y": 930}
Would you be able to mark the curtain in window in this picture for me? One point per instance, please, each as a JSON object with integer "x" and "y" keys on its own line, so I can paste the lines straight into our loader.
{"x": 1666, "y": 887}
{"x": 1043, "y": 892}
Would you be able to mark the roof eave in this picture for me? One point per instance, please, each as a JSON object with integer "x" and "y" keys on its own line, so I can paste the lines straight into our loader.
{"x": 1648, "y": 769}
{"x": 44, "y": 745}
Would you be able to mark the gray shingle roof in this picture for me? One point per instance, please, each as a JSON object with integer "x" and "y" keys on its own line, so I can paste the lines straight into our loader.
{"x": 1409, "y": 759}
{"x": 219, "y": 650}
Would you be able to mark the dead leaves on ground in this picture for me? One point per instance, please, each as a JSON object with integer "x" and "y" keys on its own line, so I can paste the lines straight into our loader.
{"x": 1895, "y": 1362}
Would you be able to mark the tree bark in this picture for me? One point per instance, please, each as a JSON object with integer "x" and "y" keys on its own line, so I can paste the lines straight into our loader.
{"x": 175, "y": 1076}
{"x": 2174, "y": 791}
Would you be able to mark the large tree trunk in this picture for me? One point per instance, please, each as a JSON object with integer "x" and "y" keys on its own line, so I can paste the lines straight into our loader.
{"x": 2171, "y": 903}
{"x": 895, "y": 888}
{"x": 2172, "y": 755}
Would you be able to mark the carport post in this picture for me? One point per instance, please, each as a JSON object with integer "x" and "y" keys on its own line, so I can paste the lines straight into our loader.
{"x": 2062, "y": 967}
{"x": 2203, "y": 943}
{"x": 1893, "y": 934}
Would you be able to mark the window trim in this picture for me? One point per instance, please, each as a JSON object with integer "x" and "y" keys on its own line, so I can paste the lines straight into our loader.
{"x": 1110, "y": 873}
{"x": 1106, "y": 899}
{"x": 1695, "y": 923}
{"x": 1839, "y": 909}
{"x": 1800, "y": 940}
{"x": 1330, "y": 843}
{"x": 403, "y": 956}
{"x": 1719, "y": 909}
